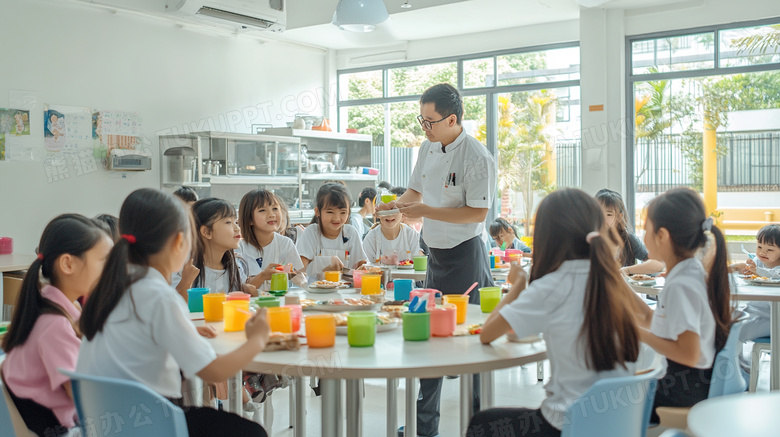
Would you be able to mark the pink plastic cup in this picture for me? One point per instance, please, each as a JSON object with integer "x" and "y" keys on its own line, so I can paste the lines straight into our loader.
{"x": 237, "y": 295}
{"x": 443, "y": 321}
{"x": 430, "y": 292}
{"x": 357, "y": 278}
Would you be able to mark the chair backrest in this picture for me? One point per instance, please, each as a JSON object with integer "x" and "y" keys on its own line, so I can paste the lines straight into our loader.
{"x": 727, "y": 376}
{"x": 123, "y": 408}
{"x": 618, "y": 407}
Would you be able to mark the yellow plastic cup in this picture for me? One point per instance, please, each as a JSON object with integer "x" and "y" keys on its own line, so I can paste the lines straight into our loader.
{"x": 461, "y": 303}
{"x": 280, "y": 319}
{"x": 320, "y": 330}
{"x": 236, "y": 314}
{"x": 212, "y": 307}
{"x": 371, "y": 284}
{"x": 333, "y": 276}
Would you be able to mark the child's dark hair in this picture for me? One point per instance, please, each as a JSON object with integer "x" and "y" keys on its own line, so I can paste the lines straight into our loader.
{"x": 186, "y": 194}
{"x": 148, "y": 220}
{"x": 246, "y": 210}
{"x": 565, "y": 221}
{"x": 206, "y": 212}
{"x": 369, "y": 194}
{"x": 109, "y": 224}
{"x": 446, "y": 100}
{"x": 681, "y": 212}
{"x": 384, "y": 185}
{"x": 398, "y": 191}
{"x": 769, "y": 234}
{"x": 613, "y": 200}
{"x": 331, "y": 195}
{"x": 501, "y": 225}
{"x": 71, "y": 234}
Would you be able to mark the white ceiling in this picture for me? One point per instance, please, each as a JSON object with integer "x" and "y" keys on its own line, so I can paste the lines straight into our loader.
{"x": 309, "y": 21}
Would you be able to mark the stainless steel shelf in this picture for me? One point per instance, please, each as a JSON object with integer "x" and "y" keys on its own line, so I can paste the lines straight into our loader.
{"x": 254, "y": 180}
{"x": 338, "y": 176}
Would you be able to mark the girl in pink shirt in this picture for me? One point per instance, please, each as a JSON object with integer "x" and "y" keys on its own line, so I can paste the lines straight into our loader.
{"x": 43, "y": 335}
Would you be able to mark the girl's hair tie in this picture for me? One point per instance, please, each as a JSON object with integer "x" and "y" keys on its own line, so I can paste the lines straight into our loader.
{"x": 706, "y": 225}
{"x": 40, "y": 256}
{"x": 591, "y": 236}
{"x": 130, "y": 238}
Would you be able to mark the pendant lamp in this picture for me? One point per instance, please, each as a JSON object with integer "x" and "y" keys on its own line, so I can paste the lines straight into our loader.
{"x": 360, "y": 15}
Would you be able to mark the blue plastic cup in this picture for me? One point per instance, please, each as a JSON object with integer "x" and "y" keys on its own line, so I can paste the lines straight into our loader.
{"x": 492, "y": 262}
{"x": 195, "y": 299}
{"x": 402, "y": 288}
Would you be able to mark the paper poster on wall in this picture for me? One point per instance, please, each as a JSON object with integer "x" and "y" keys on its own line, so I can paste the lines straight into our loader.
{"x": 27, "y": 144}
{"x": 67, "y": 128}
{"x": 13, "y": 122}
{"x": 116, "y": 130}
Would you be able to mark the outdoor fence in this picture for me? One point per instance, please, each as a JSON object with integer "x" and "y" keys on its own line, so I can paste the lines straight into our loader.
{"x": 400, "y": 164}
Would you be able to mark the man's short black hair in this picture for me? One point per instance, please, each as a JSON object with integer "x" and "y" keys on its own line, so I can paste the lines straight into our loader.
{"x": 186, "y": 194}
{"x": 446, "y": 100}
{"x": 398, "y": 191}
{"x": 384, "y": 185}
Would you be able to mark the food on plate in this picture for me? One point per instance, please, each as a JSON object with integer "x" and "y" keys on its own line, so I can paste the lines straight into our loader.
{"x": 475, "y": 329}
{"x": 307, "y": 303}
{"x": 326, "y": 284}
{"x": 381, "y": 319}
{"x": 350, "y": 301}
{"x": 406, "y": 262}
{"x": 642, "y": 278}
{"x": 279, "y": 341}
{"x": 394, "y": 311}
{"x": 341, "y": 319}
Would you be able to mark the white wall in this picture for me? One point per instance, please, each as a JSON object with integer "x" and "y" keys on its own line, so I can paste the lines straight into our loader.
{"x": 78, "y": 55}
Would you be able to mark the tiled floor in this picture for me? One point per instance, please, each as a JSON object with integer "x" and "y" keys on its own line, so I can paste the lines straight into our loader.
{"x": 516, "y": 387}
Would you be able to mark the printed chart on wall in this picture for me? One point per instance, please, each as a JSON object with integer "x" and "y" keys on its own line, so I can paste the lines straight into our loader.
{"x": 13, "y": 123}
{"x": 116, "y": 130}
{"x": 67, "y": 129}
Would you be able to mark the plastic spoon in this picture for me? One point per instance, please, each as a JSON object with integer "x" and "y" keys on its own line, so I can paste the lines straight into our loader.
{"x": 746, "y": 252}
{"x": 470, "y": 288}
{"x": 503, "y": 245}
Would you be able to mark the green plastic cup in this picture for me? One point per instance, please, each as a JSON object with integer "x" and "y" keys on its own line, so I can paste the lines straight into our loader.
{"x": 268, "y": 301}
{"x": 361, "y": 328}
{"x": 420, "y": 263}
{"x": 279, "y": 282}
{"x": 489, "y": 297}
{"x": 416, "y": 326}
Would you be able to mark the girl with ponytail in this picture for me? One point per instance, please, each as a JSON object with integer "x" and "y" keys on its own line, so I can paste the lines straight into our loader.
{"x": 44, "y": 335}
{"x": 137, "y": 327}
{"x": 692, "y": 318}
{"x": 577, "y": 298}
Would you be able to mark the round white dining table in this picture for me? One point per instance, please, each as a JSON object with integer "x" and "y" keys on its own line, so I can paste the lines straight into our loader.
{"x": 753, "y": 414}
{"x": 390, "y": 358}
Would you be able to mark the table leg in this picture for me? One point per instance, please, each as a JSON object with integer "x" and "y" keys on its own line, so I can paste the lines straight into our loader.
{"x": 268, "y": 414}
{"x": 410, "y": 424}
{"x": 354, "y": 408}
{"x": 298, "y": 409}
{"x": 466, "y": 401}
{"x": 774, "y": 347}
{"x": 486, "y": 391}
{"x": 192, "y": 391}
{"x": 235, "y": 386}
{"x": 392, "y": 407}
{"x": 331, "y": 407}
{"x": 540, "y": 370}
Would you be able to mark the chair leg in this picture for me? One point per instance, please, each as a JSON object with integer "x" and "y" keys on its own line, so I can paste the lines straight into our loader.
{"x": 755, "y": 364}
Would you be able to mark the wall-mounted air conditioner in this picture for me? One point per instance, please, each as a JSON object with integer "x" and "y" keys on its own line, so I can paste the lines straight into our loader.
{"x": 242, "y": 14}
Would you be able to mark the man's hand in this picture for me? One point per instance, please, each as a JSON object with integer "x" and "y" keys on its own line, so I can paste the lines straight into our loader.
{"x": 414, "y": 210}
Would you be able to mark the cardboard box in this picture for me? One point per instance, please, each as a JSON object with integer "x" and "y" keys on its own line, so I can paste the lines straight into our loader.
{"x": 12, "y": 283}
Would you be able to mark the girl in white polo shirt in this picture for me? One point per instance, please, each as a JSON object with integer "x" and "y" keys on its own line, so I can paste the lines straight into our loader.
{"x": 578, "y": 300}
{"x": 692, "y": 318}
{"x": 263, "y": 248}
{"x": 135, "y": 325}
{"x": 391, "y": 241}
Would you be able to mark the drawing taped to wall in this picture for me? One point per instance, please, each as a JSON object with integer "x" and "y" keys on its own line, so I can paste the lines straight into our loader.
{"x": 53, "y": 130}
{"x": 13, "y": 122}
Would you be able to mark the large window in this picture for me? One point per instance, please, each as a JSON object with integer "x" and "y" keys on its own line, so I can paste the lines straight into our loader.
{"x": 713, "y": 91}
{"x": 522, "y": 104}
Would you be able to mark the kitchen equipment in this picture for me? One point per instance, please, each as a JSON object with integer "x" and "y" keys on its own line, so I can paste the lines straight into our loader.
{"x": 215, "y": 166}
{"x": 232, "y": 168}
{"x": 207, "y": 166}
{"x": 180, "y": 162}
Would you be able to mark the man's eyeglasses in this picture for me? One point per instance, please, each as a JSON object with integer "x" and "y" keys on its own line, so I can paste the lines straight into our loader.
{"x": 428, "y": 125}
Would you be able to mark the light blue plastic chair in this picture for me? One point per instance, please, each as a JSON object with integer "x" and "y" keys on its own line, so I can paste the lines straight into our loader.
{"x": 6, "y": 425}
{"x": 760, "y": 345}
{"x": 727, "y": 377}
{"x": 618, "y": 407}
{"x": 123, "y": 408}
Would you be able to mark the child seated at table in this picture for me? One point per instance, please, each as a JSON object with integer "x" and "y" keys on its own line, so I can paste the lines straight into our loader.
{"x": 263, "y": 248}
{"x": 578, "y": 300}
{"x": 136, "y": 327}
{"x": 765, "y": 264}
{"x": 504, "y": 236}
{"x": 43, "y": 335}
{"x": 391, "y": 241}
{"x": 692, "y": 319}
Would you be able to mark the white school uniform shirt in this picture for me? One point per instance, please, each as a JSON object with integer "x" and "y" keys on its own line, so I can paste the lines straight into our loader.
{"x": 474, "y": 185}
{"x": 758, "y": 312}
{"x": 153, "y": 345}
{"x": 281, "y": 250}
{"x": 406, "y": 245}
{"x": 553, "y": 305}
{"x": 684, "y": 306}
{"x": 314, "y": 246}
{"x": 215, "y": 280}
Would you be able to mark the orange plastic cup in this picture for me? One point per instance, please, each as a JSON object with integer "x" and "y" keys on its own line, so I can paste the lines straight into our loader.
{"x": 212, "y": 307}
{"x": 280, "y": 319}
{"x": 371, "y": 284}
{"x": 333, "y": 276}
{"x": 236, "y": 314}
{"x": 320, "y": 330}
{"x": 461, "y": 303}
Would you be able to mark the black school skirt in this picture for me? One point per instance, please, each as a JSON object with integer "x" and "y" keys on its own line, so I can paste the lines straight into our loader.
{"x": 683, "y": 386}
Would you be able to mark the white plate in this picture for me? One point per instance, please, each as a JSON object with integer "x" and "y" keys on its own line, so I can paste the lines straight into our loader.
{"x": 388, "y": 212}
{"x": 500, "y": 270}
{"x": 767, "y": 282}
{"x": 342, "y": 330}
{"x": 409, "y": 267}
{"x": 343, "y": 308}
{"x": 339, "y": 290}
{"x": 329, "y": 287}
{"x": 646, "y": 283}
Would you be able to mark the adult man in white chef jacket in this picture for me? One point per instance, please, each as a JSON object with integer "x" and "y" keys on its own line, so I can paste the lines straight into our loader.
{"x": 451, "y": 188}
